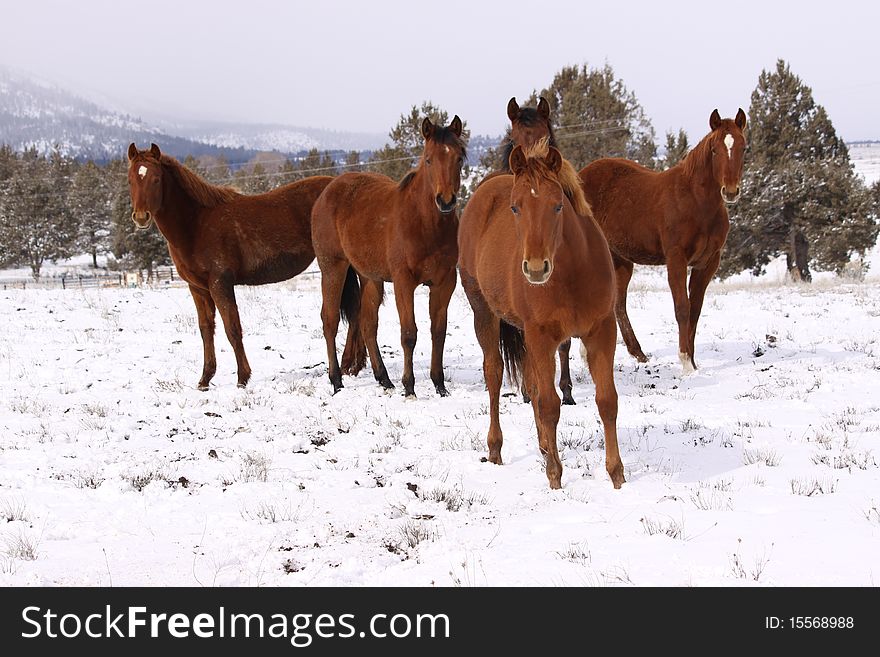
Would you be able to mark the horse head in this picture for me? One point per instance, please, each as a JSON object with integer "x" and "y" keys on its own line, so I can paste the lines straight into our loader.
{"x": 537, "y": 202}
{"x": 443, "y": 157}
{"x": 144, "y": 184}
{"x": 728, "y": 150}
{"x": 529, "y": 125}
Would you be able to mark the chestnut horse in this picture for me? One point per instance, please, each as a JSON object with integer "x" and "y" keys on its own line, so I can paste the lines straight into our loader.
{"x": 677, "y": 217}
{"x": 368, "y": 229}
{"x": 537, "y": 273}
{"x": 527, "y": 127}
{"x": 219, "y": 238}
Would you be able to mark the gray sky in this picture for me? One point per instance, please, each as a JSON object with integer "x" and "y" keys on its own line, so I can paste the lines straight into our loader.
{"x": 358, "y": 65}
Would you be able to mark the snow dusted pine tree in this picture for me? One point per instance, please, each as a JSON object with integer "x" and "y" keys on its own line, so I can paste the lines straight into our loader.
{"x": 91, "y": 204}
{"x": 801, "y": 197}
{"x": 676, "y": 148}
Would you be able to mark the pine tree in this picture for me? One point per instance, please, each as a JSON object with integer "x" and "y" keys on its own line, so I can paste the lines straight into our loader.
{"x": 801, "y": 197}
{"x": 91, "y": 202}
{"x": 353, "y": 162}
{"x": 37, "y": 225}
{"x": 676, "y": 148}
{"x": 597, "y": 116}
{"x": 316, "y": 164}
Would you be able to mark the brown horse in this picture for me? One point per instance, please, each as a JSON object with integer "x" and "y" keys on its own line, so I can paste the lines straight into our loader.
{"x": 528, "y": 126}
{"x": 677, "y": 217}
{"x": 537, "y": 273}
{"x": 219, "y": 238}
{"x": 368, "y": 230}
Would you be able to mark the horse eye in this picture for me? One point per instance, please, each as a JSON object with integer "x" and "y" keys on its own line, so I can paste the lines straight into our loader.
{"x": 558, "y": 208}
{"x": 514, "y": 209}
{"x": 428, "y": 160}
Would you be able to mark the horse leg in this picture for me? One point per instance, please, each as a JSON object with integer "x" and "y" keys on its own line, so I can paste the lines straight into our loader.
{"x": 623, "y": 270}
{"x": 223, "y": 293}
{"x": 600, "y": 346}
{"x": 206, "y": 311}
{"x": 676, "y": 274}
{"x": 333, "y": 272}
{"x": 372, "y": 293}
{"x": 540, "y": 366}
{"x": 438, "y": 304}
{"x": 354, "y": 354}
{"x": 565, "y": 373}
{"x": 404, "y": 289}
{"x": 488, "y": 329}
{"x": 696, "y": 292}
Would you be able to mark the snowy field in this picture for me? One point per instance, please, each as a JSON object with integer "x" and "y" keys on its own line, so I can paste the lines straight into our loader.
{"x": 760, "y": 469}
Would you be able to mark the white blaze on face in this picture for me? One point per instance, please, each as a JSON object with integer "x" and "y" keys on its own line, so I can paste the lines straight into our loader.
{"x": 534, "y": 193}
{"x": 728, "y": 141}
{"x": 142, "y": 172}
{"x": 446, "y": 149}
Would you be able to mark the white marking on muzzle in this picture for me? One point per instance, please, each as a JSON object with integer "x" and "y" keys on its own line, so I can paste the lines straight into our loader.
{"x": 728, "y": 141}
{"x": 142, "y": 171}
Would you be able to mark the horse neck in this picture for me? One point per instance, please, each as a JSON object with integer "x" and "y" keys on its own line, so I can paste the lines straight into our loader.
{"x": 420, "y": 197}
{"x": 698, "y": 172}
{"x": 179, "y": 213}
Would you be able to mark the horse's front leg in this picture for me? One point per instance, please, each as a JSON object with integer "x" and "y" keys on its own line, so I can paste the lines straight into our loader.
{"x": 540, "y": 368}
{"x": 676, "y": 274}
{"x": 223, "y": 292}
{"x": 438, "y": 304}
{"x": 696, "y": 292}
{"x": 404, "y": 290}
{"x": 206, "y": 311}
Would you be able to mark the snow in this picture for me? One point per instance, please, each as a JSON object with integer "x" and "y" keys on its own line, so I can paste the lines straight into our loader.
{"x": 115, "y": 469}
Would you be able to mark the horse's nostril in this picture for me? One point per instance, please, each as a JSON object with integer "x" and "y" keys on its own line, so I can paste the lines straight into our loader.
{"x": 546, "y": 266}
{"x": 525, "y": 267}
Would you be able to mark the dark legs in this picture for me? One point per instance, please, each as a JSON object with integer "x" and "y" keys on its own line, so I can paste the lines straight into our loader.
{"x": 697, "y": 291}
{"x": 371, "y": 298}
{"x": 205, "y": 309}
{"x": 438, "y": 303}
{"x": 223, "y": 293}
{"x": 404, "y": 289}
{"x": 333, "y": 272}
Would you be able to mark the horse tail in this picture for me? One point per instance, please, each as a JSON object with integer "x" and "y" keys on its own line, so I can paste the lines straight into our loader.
{"x": 513, "y": 351}
{"x": 350, "y": 305}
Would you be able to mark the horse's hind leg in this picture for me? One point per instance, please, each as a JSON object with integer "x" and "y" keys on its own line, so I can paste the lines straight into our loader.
{"x": 223, "y": 293}
{"x": 488, "y": 329}
{"x": 354, "y": 354}
{"x": 565, "y": 373}
{"x": 333, "y": 272}
{"x": 438, "y": 305}
{"x": 206, "y": 311}
{"x": 696, "y": 293}
{"x": 371, "y": 298}
{"x": 624, "y": 270}
{"x": 600, "y": 345}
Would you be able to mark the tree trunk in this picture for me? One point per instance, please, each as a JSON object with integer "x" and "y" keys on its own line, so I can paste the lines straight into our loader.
{"x": 95, "y": 258}
{"x": 797, "y": 258}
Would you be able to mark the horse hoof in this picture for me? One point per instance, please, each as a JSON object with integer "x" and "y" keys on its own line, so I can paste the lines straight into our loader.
{"x": 203, "y": 386}
{"x": 640, "y": 357}
{"x": 568, "y": 400}
{"x": 687, "y": 364}
{"x": 495, "y": 457}
{"x": 242, "y": 385}
{"x": 617, "y": 477}
{"x": 555, "y": 483}
{"x": 386, "y": 383}
{"x": 410, "y": 396}
{"x": 442, "y": 391}
{"x": 526, "y": 399}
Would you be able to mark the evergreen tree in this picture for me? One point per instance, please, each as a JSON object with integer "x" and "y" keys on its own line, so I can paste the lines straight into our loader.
{"x": 91, "y": 203}
{"x": 596, "y": 116}
{"x": 801, "y": 197}
{"x": 316, "y": 164}
{"x": 353, "y": 162}
{"x": 676, "y": 148}
{"x": 36, "y": 225}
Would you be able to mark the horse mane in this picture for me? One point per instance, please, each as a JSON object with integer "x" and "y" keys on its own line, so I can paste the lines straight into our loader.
{"x": 441, "y": 136}
{"x": 528, "y": 116}
{"x": 199, "y": 190}
{"x": 696, "y": 157}
{"x": 568, "y": 178}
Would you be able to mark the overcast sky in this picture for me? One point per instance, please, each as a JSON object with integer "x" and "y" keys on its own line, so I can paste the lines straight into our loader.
{"x": 358, "y": 65}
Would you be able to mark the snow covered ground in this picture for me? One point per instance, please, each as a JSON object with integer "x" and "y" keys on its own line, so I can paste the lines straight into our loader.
{"x": 759, "y": 469}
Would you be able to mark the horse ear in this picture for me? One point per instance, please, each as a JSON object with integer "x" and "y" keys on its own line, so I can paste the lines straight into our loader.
{"x": 132, "y": 151}
{"x": 740, "y": 119}
{"x": 543, "y": 107}
{"x": 512, "y": 109}
{"x": 553, "y": 160}
{"x": 455, "y": 126}
{"x": 427, "y": 129}
{"x": 155, "y": 152}
{"x": 517, "y": 160}
{"x": 714, "y": 120}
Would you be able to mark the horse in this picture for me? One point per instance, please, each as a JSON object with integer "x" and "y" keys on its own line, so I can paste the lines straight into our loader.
{"x": 675, "y": 217}
{"x": 219, "y": 238}
{"x": 527, "y": 127}
{"x": 536, "y": 273}
{"x": 368, "y": 230}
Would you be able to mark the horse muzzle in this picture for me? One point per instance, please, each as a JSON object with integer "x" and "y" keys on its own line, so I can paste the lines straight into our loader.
{"x": 142, "y": 220}
{"x": 734, "y": 198}
{"x": 443, "y": 206}
{"x": 540, "y": 275}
